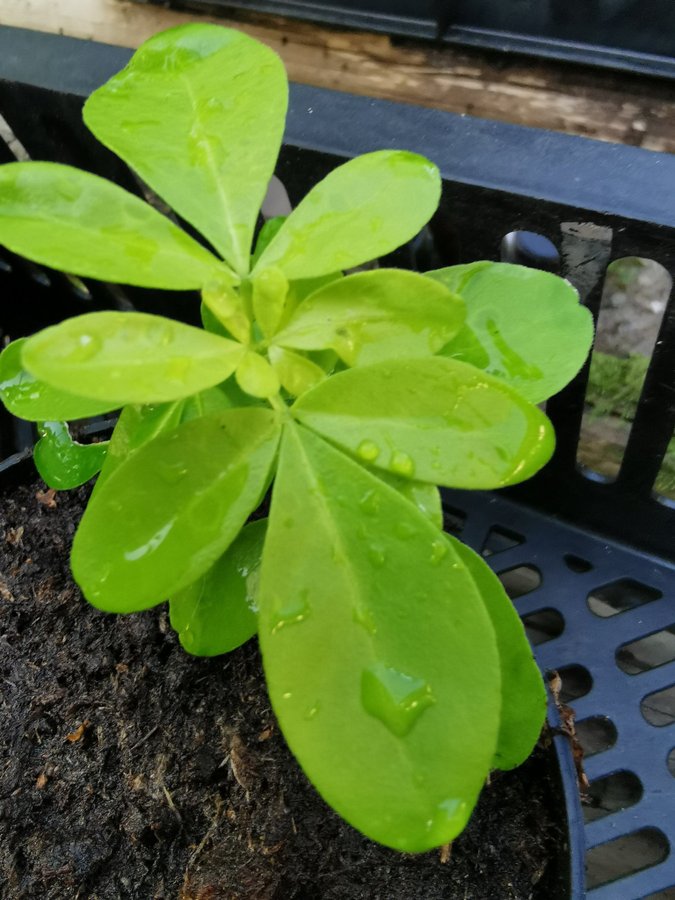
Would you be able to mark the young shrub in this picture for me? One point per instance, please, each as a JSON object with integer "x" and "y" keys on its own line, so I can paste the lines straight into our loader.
{"x": 397, "y": 667}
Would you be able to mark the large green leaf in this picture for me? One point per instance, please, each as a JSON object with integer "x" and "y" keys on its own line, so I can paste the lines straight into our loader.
{"x": 199, "y": 114}
{"x": 524, "y": 326}
{"x": 129, "y": 357}
{"x": 523, "y": 707}
{"x": 373, "y": 316}
{"x": 29, "y": 398}
{"x": 165, "y": 515}
{"x": 77, "y": 222}
{"x": 436, "y": 420}
{"x": 136, "y": 426}
{"x": 218, "y": 612}
{"x": 62, "y": 462}
{"x": 365, "y": 208}
{"x": 380, "y": 658}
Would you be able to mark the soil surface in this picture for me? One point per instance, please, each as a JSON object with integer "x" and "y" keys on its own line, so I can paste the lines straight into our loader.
{"x": 129, "y": 769}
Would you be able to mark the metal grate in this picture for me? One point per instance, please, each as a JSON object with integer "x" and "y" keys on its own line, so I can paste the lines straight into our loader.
{"x": 635, "y": 759}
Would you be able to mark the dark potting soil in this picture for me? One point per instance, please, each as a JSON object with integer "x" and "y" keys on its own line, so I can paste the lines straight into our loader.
{"x": 129, "y": 769}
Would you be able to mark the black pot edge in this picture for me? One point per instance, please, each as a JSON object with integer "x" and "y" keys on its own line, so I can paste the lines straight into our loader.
{"x": 19, "y": 468}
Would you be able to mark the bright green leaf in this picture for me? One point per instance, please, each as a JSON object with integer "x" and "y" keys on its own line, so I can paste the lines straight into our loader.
{"x": 296, "y": 373}
{"x": 267, "y": 232}
{"x": 374, "y": 316}
{"x": 79, "y": 223}
{"x": 199, "y": 114}
{"x": 365, "y": 208}
{"x": 377, "y": 650}
{"x": 129, "y": 357}
{"x": 136, "y": 426}
{"x": 270, "y": 289}
{"x": 226, "y": 309}
{"x": 255, "y": 376}
{"x": 62, "y": 462}
{"x": 523, "y": 707}
{"x": 524, "y": 326}
{"x": 426, "y": 497}
{"x": 165, "y": 515}
{"x": 435, "y": 420}
{"x": 28, "y": 398}
{"x": 217, "y": 613}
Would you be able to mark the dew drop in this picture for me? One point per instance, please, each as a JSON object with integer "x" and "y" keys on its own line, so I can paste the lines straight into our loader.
{"x": 172, "y": 472}
{"x": 439, "y": 550}
{"x": 368, "y": 451}
{"x": 364, "y": 617}
{"x": 292, "y": 612}
{"x": 312, "y": 711}
{"x": 370, "y": 503}
{"x": 395, "y": 698}
{"x": 402, "y": 464}
{"x": 449, "y": 817}
{"x": 82, "y": 348}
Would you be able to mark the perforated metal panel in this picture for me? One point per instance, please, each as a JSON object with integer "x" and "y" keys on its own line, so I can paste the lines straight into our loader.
{"x": 574, "y": 565}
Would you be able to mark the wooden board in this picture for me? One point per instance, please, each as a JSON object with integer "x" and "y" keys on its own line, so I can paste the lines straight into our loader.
{"x": 600, "y": 104}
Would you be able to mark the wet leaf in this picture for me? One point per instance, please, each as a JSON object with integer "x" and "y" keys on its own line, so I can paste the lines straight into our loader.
{"x": 129, "y": 357}
{"x": 523, "y": 705}
{"x": 29, "y": 398}
{"x": 255, "y": 376}
{"x": 295, "y": 372}
{"x": 62, "y": 462}
{"x": 377, "y": 650}
{"x": 365, "y": 208}
{"x": 434, "y": 420}
{"x": 213, "y": 155}
{"x": 166, "y": 514}
{"x": 136, "y": 426}
{"x": 79, "y": 223}
{"x": 524, "y": 326}
{"x": 374, "y": 316}
{"x": 217, "y": 612}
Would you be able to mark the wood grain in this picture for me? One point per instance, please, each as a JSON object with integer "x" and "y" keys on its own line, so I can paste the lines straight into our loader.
{"x": 608, "y": 106}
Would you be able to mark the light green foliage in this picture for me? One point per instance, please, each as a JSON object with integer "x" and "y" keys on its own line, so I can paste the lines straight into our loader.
{"x": 372, "y": 316}
{"x": 166, "y": 514}
{"x": 29, "y": 398}
{"x": 435, "y": 420}
{"x": 218, "y": 612}
{"x": 129, "y": 357}
{"x": 62, "y": 462}
{"x": 522, "y": 325}
{"x": 361, "y": 210}
{"x": 523, "y": 693}
{"x": 397, "y": 667}
{"x": 396, "y": 640}
{"x": 71, "y": 220}
{"x": 212, "y": 155}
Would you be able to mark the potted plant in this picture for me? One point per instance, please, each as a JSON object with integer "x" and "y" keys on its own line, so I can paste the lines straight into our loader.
{"x": 397, "y": 667}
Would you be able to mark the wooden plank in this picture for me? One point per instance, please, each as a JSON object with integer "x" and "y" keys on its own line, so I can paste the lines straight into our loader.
{"x": 609, "y": 106}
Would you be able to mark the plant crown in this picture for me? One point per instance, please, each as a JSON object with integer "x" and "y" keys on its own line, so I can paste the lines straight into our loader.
{"x": 397, "y": 667}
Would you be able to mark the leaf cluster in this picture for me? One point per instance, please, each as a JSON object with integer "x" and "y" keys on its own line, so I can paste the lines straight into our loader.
{"x": 397, "y": 667}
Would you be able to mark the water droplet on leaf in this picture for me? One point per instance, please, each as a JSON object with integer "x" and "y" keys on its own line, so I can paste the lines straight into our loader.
{"x": 395, "y": 698}
{"x": 291, "y": 612}
{"x": 439, "y": 550}
{"x": 402, "y": 464}
{"x": 368, "y": 451}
